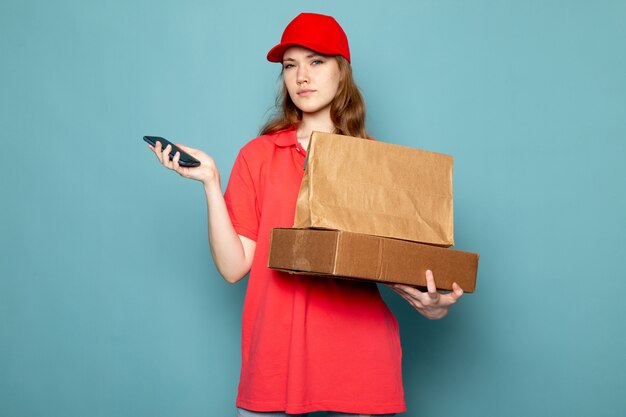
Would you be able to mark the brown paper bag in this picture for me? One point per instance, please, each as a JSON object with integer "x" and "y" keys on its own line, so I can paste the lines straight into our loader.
{"x": 365, "y": 186}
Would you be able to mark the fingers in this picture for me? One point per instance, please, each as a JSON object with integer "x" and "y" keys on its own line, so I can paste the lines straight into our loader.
{"x": 430, "y": 285}
{"x": 208, "y": 171}
{"x": 167, "y": 161}
{"x": 457, "y": 291}
{"x": 431, "y": 304}
{"x": 414, "y": 296}
{"x": 452, "y": 297}
{"x": 162, "y": 154}
{"x": 166, "y": 156}
{"x": 409, "y": 294}
{"x": 406, "y": 289}
{"x": 176, "y": 166}
{"x": 157, "y": 151}
{"x": 431, "y": 296}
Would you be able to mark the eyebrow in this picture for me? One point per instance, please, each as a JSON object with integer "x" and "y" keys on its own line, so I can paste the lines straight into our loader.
{"x": 308, "y": 57}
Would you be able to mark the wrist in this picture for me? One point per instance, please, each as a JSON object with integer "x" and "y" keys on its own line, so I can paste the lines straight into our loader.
{"x": 212, "y": 184}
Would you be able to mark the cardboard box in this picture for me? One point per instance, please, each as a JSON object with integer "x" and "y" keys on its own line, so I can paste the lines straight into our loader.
{"x": 357, "y": 256}
{"x": 365, "y": 186}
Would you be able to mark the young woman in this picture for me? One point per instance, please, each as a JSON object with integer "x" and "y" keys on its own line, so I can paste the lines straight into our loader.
{"x": 307, "y": 344}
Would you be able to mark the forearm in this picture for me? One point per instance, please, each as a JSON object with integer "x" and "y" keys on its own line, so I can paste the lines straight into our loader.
{"x": 231, "y": 253}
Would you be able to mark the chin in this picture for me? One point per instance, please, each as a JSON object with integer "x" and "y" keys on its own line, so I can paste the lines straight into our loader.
{"x": 309, "y": 108}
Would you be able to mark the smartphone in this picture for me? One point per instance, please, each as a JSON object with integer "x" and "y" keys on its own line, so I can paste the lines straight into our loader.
{"x": 185, "y": 160}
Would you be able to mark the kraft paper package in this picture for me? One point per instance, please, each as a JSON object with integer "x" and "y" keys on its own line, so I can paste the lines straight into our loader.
{"x": 364, "y": 186}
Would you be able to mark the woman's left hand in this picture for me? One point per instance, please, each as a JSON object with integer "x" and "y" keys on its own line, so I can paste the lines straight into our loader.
{"x": 432, "y": 304}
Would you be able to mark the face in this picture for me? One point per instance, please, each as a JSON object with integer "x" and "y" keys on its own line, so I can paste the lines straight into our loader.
{"x": 312, "y": 80}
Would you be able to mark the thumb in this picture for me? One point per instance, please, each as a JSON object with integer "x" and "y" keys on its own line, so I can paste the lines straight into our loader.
{"x": 457, "y": 291}
{"x": 185, "y": 148}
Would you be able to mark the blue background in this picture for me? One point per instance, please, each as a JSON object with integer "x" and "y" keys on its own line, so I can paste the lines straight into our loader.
{"x": 110, "y": 304}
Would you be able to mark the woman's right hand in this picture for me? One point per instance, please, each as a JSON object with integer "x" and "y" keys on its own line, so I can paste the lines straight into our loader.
{"x": 206, "y": 173}
{"x": 232, "y": 253}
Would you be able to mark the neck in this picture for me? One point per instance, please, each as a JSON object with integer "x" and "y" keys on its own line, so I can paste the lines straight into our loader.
{"x": 319, "y": 121}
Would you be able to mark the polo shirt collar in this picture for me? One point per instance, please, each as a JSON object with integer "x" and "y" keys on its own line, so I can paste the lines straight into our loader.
{"x": 286, "y": 138}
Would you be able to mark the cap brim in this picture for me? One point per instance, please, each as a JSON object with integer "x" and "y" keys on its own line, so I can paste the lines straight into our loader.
{"x": 276, "y": 53}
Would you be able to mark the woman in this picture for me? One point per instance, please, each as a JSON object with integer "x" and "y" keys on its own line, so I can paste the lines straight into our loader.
{"x": 307, "y": 344}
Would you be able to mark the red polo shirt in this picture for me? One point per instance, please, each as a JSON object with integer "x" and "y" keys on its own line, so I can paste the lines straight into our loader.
{"x": 308, "y": 343}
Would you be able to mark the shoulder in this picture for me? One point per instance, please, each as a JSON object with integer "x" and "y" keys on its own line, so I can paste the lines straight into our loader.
{"x": 266, "y": 144}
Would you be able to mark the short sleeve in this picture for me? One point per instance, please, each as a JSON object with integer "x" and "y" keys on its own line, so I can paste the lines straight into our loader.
{"x": 241, "y": 198}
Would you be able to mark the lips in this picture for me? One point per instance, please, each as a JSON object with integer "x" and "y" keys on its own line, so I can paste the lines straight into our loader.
{"x": 305, "y": 92}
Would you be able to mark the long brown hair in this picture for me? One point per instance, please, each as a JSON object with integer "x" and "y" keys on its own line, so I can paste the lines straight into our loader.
{"x": 347, "y": 110}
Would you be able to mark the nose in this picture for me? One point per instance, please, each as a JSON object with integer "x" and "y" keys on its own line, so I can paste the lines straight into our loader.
{"x": 303, "y": 75}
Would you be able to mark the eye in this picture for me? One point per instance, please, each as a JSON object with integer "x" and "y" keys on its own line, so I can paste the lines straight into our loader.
{"x": 287, "y": 66}
{"x": 317, "y": 62}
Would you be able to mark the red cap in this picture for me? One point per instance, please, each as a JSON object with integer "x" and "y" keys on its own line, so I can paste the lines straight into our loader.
{"x": 317, "y": 32}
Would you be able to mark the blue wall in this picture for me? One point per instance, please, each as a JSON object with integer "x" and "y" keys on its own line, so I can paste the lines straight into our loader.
{"x": 110, "y": 304}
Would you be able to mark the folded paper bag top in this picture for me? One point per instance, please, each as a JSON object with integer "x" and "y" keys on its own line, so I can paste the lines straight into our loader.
{"x": 376, "y": 188}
